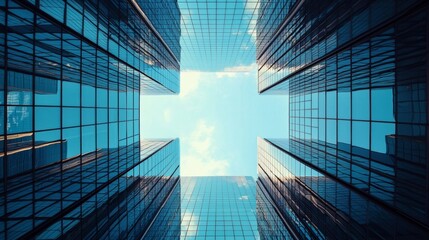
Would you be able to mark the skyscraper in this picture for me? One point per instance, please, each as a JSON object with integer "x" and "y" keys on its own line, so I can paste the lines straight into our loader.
{"x": 310, "y": 204}
{"x": 218, "y": 208}
{"x": 355, "y": 75}
{"x": 71, "y": 160}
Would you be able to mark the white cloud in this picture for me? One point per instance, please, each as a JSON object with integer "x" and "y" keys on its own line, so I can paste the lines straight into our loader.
{"x": 190, "y": 79}
{"x": 199, "y": 159}
{"x": 167, "y": 115}
{"x": 232, "y": 72}
{"x": 226, "y": 74}
{"x": 242, "y": 68}
{"x": 202, "y": 137}
{"x": 189, "y": 82}
{"x": 192, "y": 165}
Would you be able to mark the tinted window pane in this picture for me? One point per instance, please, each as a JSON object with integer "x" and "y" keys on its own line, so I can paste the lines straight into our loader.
{"x": 344, "y": 131}
{"x": 88, "y": 116}
{"x": 360, "y": 104}
{"x": 382, "y": 104}
{"x": 331, "y": 104}
{"x": 71, "y": 117}
{"x": 48, "y": 91}
{"x": 71, "y": 94}
{"x": 360, "y": 136}
{"x": 72, "y": 136}
{"x": 332, "y": 131}
{"x": 19, "y": 119}
{"x": 47, "y": 118}
{"x": 344, "y": 105}
{"x": 88, "y": 96}
{"x": 379, "y": 133}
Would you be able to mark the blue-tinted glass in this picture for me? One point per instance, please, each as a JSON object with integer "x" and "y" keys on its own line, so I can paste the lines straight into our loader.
{"x": 90, "y": 30}
{"x": 344, "y": 130}
{"x": 379, "y": 134}
{"x": 20, "y": 88}
{"x": 101, "y": 115}
{"x": 113, "y": 115}
{"x": 113, "y": 99}
{"x": 102, "y": 136}
{"x": 47, "y": 118}
{"x": 72, "y": 137}
{"x": 218, "y": 207}
{"x": 88, "y": 96}
{"x": 48, "y": 91}
{"x": 122, "y": 114}
{"x": 88, "y": 116}
{"x": 344, "y": 105}
{"x": 47, "y": 136}
{"x": 360, "y": 177}
{"x": 19, "y": 119}
{"x": 381, "y": 115}
{"x": 360, "y": 134}
{"x": 113, "y": 135}
{"x": 331, "y": 132}
{"x": 88, "y": 139}
{"x": 55, "y": 8}
{"x": 101, "y": 97}
{"x": 382, "y": 104}
{"x": 59, "y": 84}
{"x": 122, "y": 100}
{"x": 48, "y": 147}
{"x": 71, "y": 116}
{"x": 71, "y": 94}
{"x": 360, "y": 104}
{"x": 322, "y": 129}
{"x": 331, "y": 104}
{"x": 74, "y": 19}
{"x": 122, "y": 130}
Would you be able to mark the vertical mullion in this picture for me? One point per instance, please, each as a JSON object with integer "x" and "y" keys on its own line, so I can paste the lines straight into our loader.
{"x": 33, "y": 149}
{"x": 63, "y": 153}
{"x": 96, "y": 116}
{"x": 81, "y": 39}
{"x": 5, "y": 120}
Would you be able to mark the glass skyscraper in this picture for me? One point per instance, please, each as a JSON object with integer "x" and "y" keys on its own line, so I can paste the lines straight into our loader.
{"x": 218, "y": 208}
{"x": 71, "y": 160}
{"x": 355, "y": 164}
{"x": 309, "y": 204}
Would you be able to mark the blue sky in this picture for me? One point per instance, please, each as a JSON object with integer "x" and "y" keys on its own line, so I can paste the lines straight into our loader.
{"x": 218, "y": 117}
{"x": 218, "y": 114}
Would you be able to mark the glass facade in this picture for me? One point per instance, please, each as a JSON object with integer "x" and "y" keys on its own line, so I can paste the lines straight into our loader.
{"x": 271, "y": 224}
{"x": 167, "y": 222}
{"x": 71, "y": 159}
{"x": 218, "y": 35}
{"x": 166, "y": 20}
{"x": 313, "y": 205}
{"x": 218, "y": 208}
{"x": 355, "y": 74}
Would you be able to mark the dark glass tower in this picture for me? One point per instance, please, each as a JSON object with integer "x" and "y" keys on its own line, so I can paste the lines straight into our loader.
{"x": 71, "y": 160}
{"x": 309, "y": 204}
{"x": 355, "y": 74}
